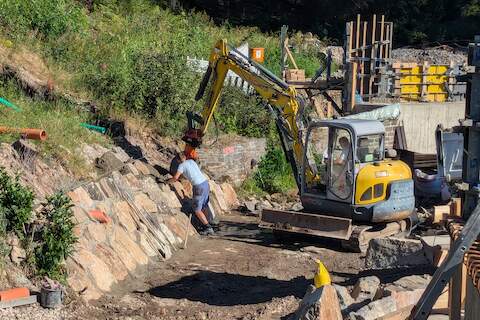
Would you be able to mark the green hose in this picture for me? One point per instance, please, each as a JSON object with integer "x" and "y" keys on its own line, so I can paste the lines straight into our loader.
{"x": 7, "y": 103}
{"x": 102, "y": 130}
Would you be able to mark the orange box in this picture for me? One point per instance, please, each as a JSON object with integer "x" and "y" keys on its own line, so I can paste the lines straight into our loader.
{"x": 13, "y": 294}
{"x": 257, "y": 54}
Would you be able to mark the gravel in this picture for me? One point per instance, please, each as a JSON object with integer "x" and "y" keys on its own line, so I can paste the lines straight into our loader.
{"x": 432, "y": 55}
{"x": 33, "y": 312}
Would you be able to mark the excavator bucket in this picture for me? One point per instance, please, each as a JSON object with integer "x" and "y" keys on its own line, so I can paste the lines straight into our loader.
{"x": 306, "y": 223}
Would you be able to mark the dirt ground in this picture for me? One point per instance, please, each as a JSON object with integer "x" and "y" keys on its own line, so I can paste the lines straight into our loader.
{"x": 240, "y": 273}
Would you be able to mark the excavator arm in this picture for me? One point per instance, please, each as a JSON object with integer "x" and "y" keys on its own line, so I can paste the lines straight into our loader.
{"x": 286, "y": 104}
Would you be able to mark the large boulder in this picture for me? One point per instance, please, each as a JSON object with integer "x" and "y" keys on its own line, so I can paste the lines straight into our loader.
{"x": 319, "y": 304}
{"x": 344, "y": 297}
{"x": 375, "y": 309}
{"x": 230, "y": 195}
{"x": 391, "y": 253}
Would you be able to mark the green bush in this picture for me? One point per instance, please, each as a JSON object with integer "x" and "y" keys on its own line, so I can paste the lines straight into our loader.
{"x": 242, "y": 114}
{"x": 51, "y": 18}
{"x": 57, "y": 237}
{"x": 274, "y": 173}
{"x": 16, "y": 203}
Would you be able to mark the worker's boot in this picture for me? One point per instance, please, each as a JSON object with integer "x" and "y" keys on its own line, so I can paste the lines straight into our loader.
{"x": 207, "y": 230}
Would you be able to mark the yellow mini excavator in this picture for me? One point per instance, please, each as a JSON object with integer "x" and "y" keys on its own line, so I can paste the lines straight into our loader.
{"x": 348, "y": 188}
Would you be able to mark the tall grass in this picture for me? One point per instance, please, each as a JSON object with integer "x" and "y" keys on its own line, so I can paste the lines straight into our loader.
{"x": 60, "y": 120}
{"x": 132, "y": 54}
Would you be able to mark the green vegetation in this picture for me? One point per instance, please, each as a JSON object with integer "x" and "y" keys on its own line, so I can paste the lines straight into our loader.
{"x": 274, "y": 174}
{"x": 131, "y": 55}
{"x": 59, "y": 119}
{"x": 48, "y": 247}
{"x": 57, "y": 238}
{"x": 16, "y": 204}
{"x": 130, "y": 58}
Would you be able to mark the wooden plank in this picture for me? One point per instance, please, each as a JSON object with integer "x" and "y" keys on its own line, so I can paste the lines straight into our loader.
{"x": 401, "y": 314}
{"x": 382, "y": 27}
{"x": 364, "y": 41}
{"x": 457, "y": 292}
{"x": 354, "y": 85}
{"x": 440, "y": 213}
{"x": 387, "y": 46}
{"x": 456, "y": 207}
{"x": 291, "y": 57}
{"x": 372, "y": 55}
{"x": 357, "y": 38}
{"x": 350, "y": 41}
{"x": 391, "y": 38}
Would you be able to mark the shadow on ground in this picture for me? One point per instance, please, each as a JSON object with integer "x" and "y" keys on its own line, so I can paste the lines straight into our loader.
{"x": 225, "y": 289}
{"x": 251, "y": 233}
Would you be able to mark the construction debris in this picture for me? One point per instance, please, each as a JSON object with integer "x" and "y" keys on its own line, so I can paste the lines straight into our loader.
{"x": 443, "y": 55}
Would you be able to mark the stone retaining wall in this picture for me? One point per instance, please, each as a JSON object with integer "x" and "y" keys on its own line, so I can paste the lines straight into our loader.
{"x": 145, "y": 224}
{"x": 230, "y": 160}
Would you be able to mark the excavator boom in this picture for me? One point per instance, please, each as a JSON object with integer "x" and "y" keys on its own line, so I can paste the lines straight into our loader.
{"x": 284, "y": 100}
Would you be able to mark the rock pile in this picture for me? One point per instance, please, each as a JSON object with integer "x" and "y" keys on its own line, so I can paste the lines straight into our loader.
{"x": 367, "y": 300}
{"x": 432, "y": 55}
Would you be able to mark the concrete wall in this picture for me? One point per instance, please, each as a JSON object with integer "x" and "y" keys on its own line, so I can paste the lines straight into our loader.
{"x": 421, "y": 119}
{"x": 230, "y": 158}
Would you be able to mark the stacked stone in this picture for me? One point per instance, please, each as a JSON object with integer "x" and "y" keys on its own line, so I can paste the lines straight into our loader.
{"x": 145, "y": 222}
{"x": 231, "y": 161}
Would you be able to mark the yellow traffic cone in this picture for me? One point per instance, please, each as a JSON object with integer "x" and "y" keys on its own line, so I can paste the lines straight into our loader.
{"x": 322, "y": 277}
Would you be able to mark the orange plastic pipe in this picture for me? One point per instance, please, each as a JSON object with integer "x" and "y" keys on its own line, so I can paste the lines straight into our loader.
{"x": 34, "y": 134}
{"x": 13, "y": 294}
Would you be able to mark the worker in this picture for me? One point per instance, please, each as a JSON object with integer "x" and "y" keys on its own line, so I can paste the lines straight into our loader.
{"x": 190, "y": 152}
{"x": 201, "y": 190}
{"x": 345, "y": 145}
{"x": 341, "y": 165}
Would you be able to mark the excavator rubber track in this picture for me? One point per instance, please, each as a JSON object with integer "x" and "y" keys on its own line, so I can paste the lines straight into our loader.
{"x": 353, "y": 237}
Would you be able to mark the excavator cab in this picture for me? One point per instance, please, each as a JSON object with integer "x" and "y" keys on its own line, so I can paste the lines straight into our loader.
{"x": 352, "y": 177}
{"x": 353, "y": 187}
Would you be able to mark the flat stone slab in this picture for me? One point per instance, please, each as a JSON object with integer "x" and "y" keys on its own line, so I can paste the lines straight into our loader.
{"x": 391, "y": 253}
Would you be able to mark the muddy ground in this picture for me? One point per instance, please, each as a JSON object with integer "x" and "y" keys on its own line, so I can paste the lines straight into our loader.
{"x": 240, "y": 273}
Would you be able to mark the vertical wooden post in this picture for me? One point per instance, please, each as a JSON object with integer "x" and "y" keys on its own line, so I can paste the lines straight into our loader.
{"x": 382, "y": 27}
{"x": 372, "y": 57}
{"x": 350, "y": 40}
{"x": 457, "y": 292}
{"x": 357, "y": 39}
{"x": 387, "y": 46}
{"x": 362, "y": 69}
{"x": 391, "y": 38}
{"x": 354, "y": 85}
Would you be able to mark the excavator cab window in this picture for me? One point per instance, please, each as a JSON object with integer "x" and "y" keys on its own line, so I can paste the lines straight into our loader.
{"x": 369, "y": 148}
{"x": 317, "y": 157}
{"x": 341, "y": 169}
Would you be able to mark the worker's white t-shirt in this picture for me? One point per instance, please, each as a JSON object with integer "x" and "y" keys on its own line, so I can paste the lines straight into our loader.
{"x": 189, "y": 168}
